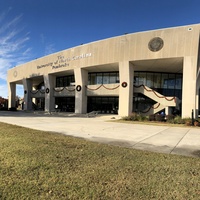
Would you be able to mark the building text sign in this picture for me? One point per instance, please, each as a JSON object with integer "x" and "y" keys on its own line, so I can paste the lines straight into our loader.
{"x": 63, "y": 62}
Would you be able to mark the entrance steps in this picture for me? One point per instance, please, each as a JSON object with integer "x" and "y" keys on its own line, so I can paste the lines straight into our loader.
{"x": 162, "y": 101}
{"x": 157, "y": 107}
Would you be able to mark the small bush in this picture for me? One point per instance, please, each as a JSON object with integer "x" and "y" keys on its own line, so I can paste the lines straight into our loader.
{"x": 159, "y": 118}
{"x": 196, "y": 123}
{"x": 135, "y": 117}
{"x": 126, "y": 118}
{"x": 188, "y": 123}
{"x": 179, "y": 120}
{"x": 142, "y": 118}
{"x": 151, "y": 117}
{"x": 169, "y": 118}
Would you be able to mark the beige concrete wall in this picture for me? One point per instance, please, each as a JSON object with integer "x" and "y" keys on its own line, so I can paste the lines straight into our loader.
{"x": 12, "y": 94}
{"x": 179, "y": 42}
{"x": 189, "y": 86}
{"x": 27, "y": 94}
{"x": 126, "y": 93}
{"x": 81, "y": 77}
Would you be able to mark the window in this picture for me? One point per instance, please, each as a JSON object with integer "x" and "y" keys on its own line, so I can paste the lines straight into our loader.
{"x": 168, "y": 84}
{"x": 142, "y": 78}
{"x": 149, "y": 80}
{"x": 164, "y": 81}
{"x": 106, "y": 78}
{"x": 64, "y": 81}
{"x": 99, "y": 78}
{"x": 103, "y": 78}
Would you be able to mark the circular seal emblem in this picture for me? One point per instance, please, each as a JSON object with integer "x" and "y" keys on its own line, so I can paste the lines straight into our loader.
{"x": 15, "y": 74}
{"x": 156, "y": 44}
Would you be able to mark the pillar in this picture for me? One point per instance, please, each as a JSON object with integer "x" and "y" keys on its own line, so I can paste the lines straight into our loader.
{"x": 168, "y": 110}
{"x": 197, "y": 95}
{"x": 126, "y": 73}
{"x": 11, "y": 95}
{"x": 189, "y": 86}
{"x": 27, "y": 83}
{"x": 49, "y": 82}
{"x": 81, "y": 80}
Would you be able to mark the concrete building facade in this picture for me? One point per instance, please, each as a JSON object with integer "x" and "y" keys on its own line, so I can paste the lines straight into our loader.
{"x": 144, "y": 72}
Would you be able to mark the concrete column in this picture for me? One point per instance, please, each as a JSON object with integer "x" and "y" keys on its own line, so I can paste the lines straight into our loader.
{"x": 11, "y": 95}
{"x": 189, "y": 86}
{"x": 81, "y": 79}
{"x": 49, "y": 82}
{"x": 126, "y": 74}
{"x": 197, "y": 96}
{"x": 27, "y": 83}
{"x": 168, "y": 110}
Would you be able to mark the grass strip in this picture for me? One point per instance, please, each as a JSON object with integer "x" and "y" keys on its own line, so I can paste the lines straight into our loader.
{"x": 42, "y": 165}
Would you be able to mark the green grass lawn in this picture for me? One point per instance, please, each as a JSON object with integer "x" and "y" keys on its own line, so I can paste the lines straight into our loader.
{"x": 41, "y": 165}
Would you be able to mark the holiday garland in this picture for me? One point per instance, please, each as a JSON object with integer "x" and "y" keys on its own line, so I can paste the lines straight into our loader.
{"x": 66, "y": 88}
{"x": 36, "y": 91}
{"x": 102, "y": 85}
{"x": 150, "y": 90}
{"x": 151, "y": 107}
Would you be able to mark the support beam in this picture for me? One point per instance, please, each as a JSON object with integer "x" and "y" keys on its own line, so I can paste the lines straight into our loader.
{"x": 27, "y": 83}
{"x": 11, "y": 95}
{"x": 81, "y": 79}
{"x": 189, "y": 86}
{"x": 197, "y": 96}
{"x": 126, "y": 93}
{"x": 49, "y": 82}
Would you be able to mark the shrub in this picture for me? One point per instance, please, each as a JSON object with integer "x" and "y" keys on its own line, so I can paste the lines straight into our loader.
{"x": 159, "y": 118}
{"x": 188, "y": 122}
{"x": 196, "y": 123}
{"x": 126, "y": 118}
{"x": 141, "y": 117}
{"x": 135, "y": 117}
{"x": 169, "y": 118}
{"x": 178, "y": 120}
{"x": 151, "y": 117}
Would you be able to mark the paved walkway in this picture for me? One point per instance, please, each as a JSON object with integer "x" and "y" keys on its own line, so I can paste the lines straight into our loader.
{"x": 164, "y": 139}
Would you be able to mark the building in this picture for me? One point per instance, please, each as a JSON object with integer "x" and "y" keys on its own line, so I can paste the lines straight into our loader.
{"x": 143, "y": 72}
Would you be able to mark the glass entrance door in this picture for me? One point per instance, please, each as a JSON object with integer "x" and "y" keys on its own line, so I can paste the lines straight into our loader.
{"x": 105, "y": 105}
{"x": 65, "y": 104}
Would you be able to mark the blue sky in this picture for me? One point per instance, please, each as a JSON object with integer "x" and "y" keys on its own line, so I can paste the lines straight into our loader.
{"x": 31, "y": 29}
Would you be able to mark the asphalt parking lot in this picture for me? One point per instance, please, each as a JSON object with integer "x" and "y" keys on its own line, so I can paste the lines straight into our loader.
{"x": 104, "y": 129}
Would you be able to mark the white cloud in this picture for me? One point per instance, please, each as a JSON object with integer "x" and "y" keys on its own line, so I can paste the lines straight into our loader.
{"x": 49, "y": 49}
{"x": 13, "y": 47}
{"x": 26, "y": 51}
{"x": 10, "y": 24}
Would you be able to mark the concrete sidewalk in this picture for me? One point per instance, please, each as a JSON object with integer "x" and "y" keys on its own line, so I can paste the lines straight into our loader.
{"x": 164, "y": 139}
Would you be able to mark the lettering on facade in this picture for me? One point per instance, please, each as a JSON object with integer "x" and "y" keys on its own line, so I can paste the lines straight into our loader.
{"x": 81, "y": 56}
{"x": 46, "y": 65}
{"x": 63, "y": 62}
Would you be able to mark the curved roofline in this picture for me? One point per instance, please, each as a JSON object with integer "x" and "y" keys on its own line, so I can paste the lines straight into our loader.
{"x": 114, "y": 37}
